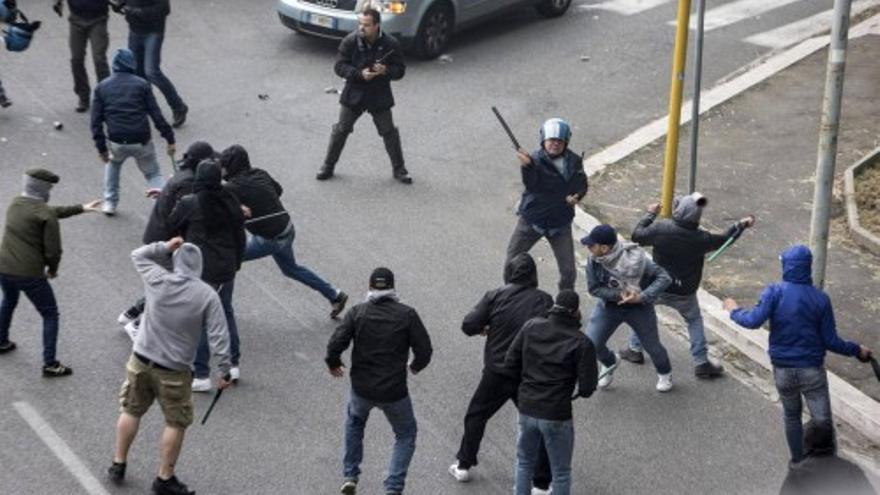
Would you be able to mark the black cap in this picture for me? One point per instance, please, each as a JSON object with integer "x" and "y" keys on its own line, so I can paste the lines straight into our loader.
{"x": 382, "y": 279}
{"x": 43, "y": 174}
{"x": 603, "y": 234}
{"x": 568, "y": 299}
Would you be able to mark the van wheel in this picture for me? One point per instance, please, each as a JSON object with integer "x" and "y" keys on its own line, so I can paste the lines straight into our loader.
{"x": 435, "y": 31}
{"x": 552, "y": 8}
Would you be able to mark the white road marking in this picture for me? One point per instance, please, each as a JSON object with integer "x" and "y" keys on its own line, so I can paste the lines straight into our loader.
{"x": 734, "y": 12}
{"x": 796, "y": 32}
{"x": 624, "y": 7}
{"x": 58, "y": 447}
{"x": 719, "y": 94}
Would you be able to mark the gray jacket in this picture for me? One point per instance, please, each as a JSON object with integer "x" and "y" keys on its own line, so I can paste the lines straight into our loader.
{"x": 178, "y": 306}
{"x": 601, "y": 284}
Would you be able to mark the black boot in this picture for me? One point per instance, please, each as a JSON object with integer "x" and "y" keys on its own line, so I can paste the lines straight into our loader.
{"x": 395, "y": 153}
{"x": 334, "y": 150}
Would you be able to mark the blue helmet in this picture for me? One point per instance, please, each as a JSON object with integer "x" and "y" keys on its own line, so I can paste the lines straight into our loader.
{"x": 18, "y": 36}
{"x": 556, "y": 129}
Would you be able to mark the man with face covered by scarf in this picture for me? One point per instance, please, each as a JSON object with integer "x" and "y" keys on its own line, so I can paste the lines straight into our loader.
{"x": 29, "y": 255}
{"x": 626, "y": 283}
{"x": 680, "y": 247}
{"x": 212, "y": 219}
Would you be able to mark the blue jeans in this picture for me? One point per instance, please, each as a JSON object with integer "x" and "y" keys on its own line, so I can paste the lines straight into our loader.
{"x": 642, "y": 319}
{"x": 689, "y": 308}
{"x": 147, "y": 49}
{"x": 558, "y": 437}
{"x": 203, "y": 354}
{"x": 403, "y": 422}
{"x": 40, "y": 293}
{"x": 281, "y": 250}
{"x": 143, "y": 154}
{"x": 812, "y": 384}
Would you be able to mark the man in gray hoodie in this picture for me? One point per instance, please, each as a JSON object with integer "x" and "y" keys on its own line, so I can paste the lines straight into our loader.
{"x": 178, "y": 305}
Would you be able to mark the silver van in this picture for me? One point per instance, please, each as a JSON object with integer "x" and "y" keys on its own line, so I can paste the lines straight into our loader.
{"x": 425, "y": 27}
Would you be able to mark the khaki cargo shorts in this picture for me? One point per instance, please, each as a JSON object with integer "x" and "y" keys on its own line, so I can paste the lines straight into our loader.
{"x": 145, "y": 383}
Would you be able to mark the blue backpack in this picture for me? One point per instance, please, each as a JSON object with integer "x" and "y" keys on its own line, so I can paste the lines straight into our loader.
{"x": 17, "y": 35}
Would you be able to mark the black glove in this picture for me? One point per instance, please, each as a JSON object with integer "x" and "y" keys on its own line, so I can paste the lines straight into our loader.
{"x": 58, "y": 7}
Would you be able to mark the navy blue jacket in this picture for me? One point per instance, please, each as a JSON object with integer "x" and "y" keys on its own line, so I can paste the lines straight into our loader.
{"x": 543, "y": 202}
{"x": 802, "y": 324}
{"x": 89, "y": 9}
{"x": 125, "y": 103}
{"x": 147, "y": 16}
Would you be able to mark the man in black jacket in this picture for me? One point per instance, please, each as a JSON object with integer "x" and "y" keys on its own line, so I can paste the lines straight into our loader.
{"x": 680, "y": 247}
{"x": 146, "y": 32}
{"x": 498, "y": 317}
{"x": 88, "y": 24}
{"x": 552, "y": 356}
{"x": 125, "y": 104}
{"x": 369, "y": 59}
{"x": 383, "y": 331}
{"x": 271, "y": 227}
{"x": 158, "y": 229}
{"x": 555, "y": 182}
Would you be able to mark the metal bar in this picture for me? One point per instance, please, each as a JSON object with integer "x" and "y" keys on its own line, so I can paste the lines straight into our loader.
{"x": 695, "y": 107}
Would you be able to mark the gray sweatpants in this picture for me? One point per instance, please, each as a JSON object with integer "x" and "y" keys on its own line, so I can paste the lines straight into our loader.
{"x": 524, "y": 237}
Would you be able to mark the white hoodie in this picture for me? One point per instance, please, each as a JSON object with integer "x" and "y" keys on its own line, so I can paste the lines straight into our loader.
{"x": 178, "y": 305}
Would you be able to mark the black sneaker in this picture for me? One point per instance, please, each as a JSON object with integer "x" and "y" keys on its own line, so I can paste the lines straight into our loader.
{"x": 339, "y": 305}
{"x": 82, "y": 106}
{"x": 56, "y": 369}
{"x": 171, "y": 486}
{"x": 116, "y": 472}
{"x": 635, "y": 357}
{"x": 5, "y": 102}
{"x": 708, "y": 370}
{"x": 7, "y": 346}
{"x": 403, "y": 176}
{"x": 325, "y": 173}
{"x": 179, "y": 116}
{"x": 349, "y": 487}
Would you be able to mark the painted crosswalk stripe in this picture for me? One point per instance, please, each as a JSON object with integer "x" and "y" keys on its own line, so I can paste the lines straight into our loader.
{"x": 624, "y": 7}
{"x": 795, "y": 32}
{"x": 733, "y": 12}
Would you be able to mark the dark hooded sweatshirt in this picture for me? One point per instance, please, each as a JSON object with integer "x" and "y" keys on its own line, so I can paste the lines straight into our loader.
{"x": 125, "y": 103}
{"x": 680, "y": 245}
{"x": 505, "y": 309}
{"x": 802, "y": 324}
{"x": 211, "y": 218}
{"x": 552, "y": 355}
{"x": 257, "y": 190}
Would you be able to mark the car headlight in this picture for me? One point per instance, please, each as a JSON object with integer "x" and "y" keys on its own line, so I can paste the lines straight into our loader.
{"x": 391, "y": 6}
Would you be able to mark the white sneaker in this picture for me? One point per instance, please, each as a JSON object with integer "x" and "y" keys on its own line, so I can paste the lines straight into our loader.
{"x": 538, "y": 491}
{"x": 607, "y": 372}
{"x": 664, "y": 382}
{"x": 201, "y": 385}
{"x": 461, "y": 475}
{"x": 234, "y": 373}
{"x": 108, "y": 209}
{"x": 131, "y": 328}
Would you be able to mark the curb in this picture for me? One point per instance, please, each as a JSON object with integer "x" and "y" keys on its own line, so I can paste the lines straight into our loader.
{"x": 861, "y": 235}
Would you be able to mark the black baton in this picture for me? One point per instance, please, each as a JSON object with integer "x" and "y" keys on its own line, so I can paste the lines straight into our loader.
{"x": 516, "y": 145}
{"x": 213, "y": 403}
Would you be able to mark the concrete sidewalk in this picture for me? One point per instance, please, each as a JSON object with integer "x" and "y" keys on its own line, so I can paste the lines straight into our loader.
{"x": 758, "y": 155}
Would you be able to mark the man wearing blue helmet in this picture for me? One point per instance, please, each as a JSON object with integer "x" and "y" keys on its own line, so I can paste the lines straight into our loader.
{"x": 555, "y": 182}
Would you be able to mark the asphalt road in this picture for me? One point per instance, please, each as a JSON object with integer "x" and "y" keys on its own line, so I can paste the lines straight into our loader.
{"x": 280, "y": 430}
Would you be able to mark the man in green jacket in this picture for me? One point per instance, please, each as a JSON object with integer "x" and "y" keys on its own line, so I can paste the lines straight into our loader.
{"x": 29, "y": 256}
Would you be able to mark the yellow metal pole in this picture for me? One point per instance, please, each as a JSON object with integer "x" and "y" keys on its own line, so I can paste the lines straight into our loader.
{"x": 679, "y": 57}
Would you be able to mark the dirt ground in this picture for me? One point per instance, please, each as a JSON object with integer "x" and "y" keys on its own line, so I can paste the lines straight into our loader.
{"x": 868, "y": 196}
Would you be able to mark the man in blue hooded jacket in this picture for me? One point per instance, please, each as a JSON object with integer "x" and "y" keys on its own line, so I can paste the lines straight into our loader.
{"x": 802, "y": 329}
{"x": 125, "y": 103}
{"x": 555, "y": 182}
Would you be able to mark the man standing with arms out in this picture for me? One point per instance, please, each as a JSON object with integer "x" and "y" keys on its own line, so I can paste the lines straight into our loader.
{"x": 555, "y": 182}
{"x": 88, "y": 24}
{"x": 680, "y": 247}
{"x": 125, "y": 104}
{"x": 626, "y": 283}
{"x": 146, "y": 32}
{"x": 552, "y": 356}
{"x": 271, "y": 230}
{"x": 498, "y": 317}
{"x": 29, "y": 255}
{"x": 178, "y": 306}
{"x": 383, "y": 331}
{"x": 369, "y": 59}
{"x": 802, "y": 329}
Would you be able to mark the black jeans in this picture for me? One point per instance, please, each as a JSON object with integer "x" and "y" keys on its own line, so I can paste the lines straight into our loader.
{"x": 384, "y": 123}
{"x": 491, "y": 394}
{"x": 83, "y": 32}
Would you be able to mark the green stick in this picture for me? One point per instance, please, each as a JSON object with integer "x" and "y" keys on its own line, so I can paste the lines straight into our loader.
{"x": 723, "y": 248}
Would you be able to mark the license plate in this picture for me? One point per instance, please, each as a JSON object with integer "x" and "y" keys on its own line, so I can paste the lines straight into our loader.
{"x": 323, "y": 21}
